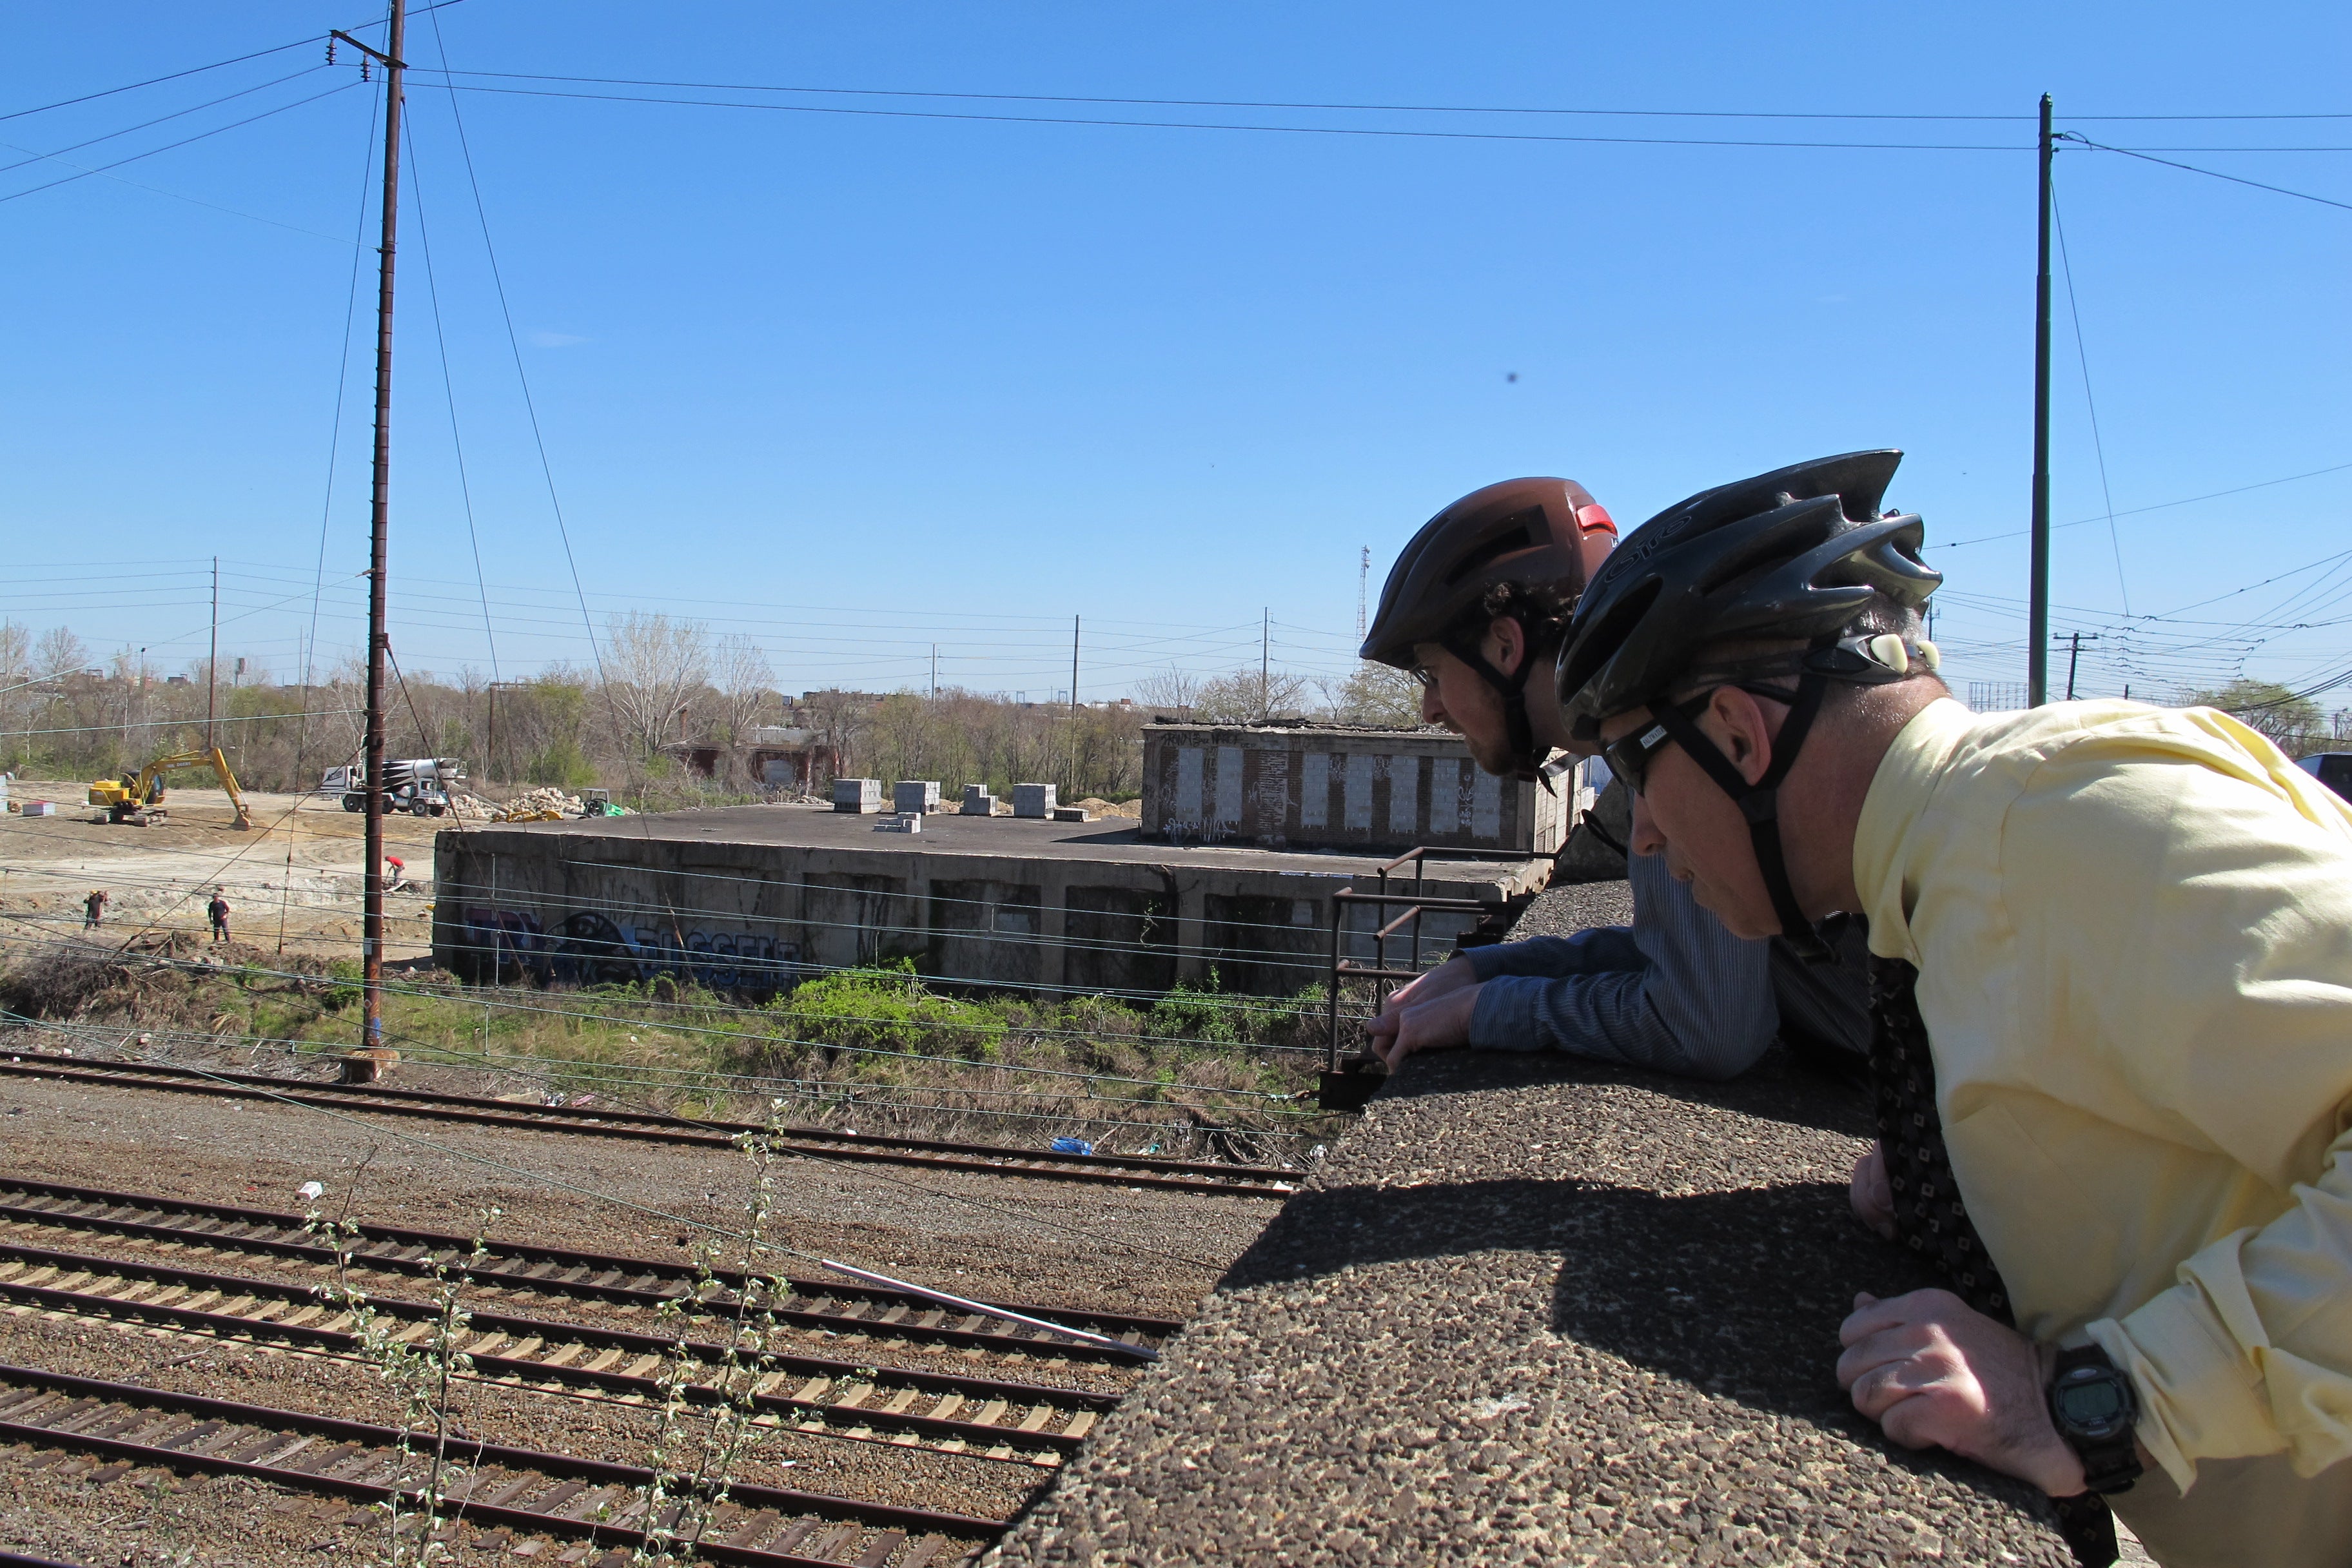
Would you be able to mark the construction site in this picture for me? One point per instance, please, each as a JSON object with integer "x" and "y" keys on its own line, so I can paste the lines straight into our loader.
{"x": 793, "y": 932}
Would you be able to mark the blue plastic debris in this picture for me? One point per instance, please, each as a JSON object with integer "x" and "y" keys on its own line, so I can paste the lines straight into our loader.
{"x": 1072, "y": 1146}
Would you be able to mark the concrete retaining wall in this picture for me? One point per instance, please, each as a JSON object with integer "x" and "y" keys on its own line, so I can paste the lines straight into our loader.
{"x": 755, "y": 897}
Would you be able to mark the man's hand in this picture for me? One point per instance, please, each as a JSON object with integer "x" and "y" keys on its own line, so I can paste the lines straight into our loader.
{"x": 1429, "y": 1025}
{"x": 1874, "y": 1197}
{"x": 1933, "y": 1372}
{"x": 1449, "y": 976}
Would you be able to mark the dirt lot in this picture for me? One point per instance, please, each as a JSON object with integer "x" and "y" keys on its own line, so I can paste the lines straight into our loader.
{"x": 297, "y": 868}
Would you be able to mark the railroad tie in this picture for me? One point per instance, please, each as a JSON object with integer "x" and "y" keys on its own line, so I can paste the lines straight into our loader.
{"x": 878, "y": 1550}
{"x": 758, "y": 1527}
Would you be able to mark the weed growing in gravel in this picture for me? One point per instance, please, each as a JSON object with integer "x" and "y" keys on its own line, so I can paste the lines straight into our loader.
{"x": 419, "y": 1370}
{"x": 694, "y": 1461}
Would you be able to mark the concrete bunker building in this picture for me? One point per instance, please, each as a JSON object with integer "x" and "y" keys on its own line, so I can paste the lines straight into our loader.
{"x": 1245, "y": 834}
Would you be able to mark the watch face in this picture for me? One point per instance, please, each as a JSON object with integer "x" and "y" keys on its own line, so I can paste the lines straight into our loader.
{"x": 2095, "y": 1405}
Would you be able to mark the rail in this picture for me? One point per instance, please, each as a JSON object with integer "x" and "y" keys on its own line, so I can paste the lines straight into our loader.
{"x": 521, "y": 1491}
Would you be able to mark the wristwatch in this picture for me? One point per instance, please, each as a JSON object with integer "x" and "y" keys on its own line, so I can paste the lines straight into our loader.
{"x": 2095, "y": 1409}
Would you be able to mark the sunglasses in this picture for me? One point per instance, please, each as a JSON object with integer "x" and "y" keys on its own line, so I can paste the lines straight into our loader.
{"x": 1629, "y": 756}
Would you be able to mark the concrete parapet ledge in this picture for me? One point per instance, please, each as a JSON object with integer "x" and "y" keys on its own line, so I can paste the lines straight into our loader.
{"x": 1540, "y": 1311}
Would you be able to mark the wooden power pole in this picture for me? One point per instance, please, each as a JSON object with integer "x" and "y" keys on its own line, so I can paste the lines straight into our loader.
{"x": 378, "y": 528}
{"x": 2037, "y": 615}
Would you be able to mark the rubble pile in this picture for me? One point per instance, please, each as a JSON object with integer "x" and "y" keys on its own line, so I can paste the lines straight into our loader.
{"x": 534, "y": 802}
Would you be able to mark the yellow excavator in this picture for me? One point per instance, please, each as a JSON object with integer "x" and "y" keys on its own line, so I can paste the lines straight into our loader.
{"x": 139, "y": 800}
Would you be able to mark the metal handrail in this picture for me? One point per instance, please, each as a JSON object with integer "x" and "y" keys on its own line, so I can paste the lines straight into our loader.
{"x": 1417, "y": 904}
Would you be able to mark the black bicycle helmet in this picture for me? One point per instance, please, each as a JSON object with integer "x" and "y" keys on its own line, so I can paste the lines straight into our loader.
{"x": 1797, "y": 554}
{"x": 1546, "y": 533}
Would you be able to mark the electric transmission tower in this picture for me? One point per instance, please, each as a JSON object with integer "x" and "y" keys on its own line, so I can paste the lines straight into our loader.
{"x": 1363, "y": 580}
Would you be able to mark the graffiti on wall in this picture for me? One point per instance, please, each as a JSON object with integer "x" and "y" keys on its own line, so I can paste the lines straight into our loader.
{"x": 587, "y": 948}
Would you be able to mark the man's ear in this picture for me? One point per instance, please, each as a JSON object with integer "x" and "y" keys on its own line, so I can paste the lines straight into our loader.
{"x": 1743, "y": 733}
{"x": 1506, "y": 644}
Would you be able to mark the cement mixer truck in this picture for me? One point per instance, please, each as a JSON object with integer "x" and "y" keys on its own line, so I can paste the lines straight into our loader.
{"x": 418, "y": 785}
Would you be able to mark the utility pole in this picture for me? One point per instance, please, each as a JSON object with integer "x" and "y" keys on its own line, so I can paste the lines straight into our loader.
{"x": 379, "y": 526}
{"x": 2037, "y": 615}
{"x": 1265, "y": 642}
{"x": 1363, "y": 580}
{"x": 1074, "y": 705}
{"x": 212, "y": 664}
{"x": 935, "y": 672}
{"x": 2074, "y": 657}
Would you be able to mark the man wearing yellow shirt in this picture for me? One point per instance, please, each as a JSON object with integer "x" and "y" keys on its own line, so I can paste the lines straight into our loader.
{"x": 2113, "y": 1046}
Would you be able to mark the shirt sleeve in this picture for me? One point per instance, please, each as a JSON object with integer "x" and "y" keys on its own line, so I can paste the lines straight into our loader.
{"x": 2213, "y": 981}
{"x": 1699, "y": 1004}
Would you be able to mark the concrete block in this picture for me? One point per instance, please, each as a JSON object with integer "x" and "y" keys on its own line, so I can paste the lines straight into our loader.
{"x": 1071, "y": 814}
{"x": 914, "y": 794}
{"x": 864, "y": 796}
{"x": 900, "y": 821}
{"x": 40, "y": 808}
{"x": 1033, "y": 800}
{"x": 978, "y": 802}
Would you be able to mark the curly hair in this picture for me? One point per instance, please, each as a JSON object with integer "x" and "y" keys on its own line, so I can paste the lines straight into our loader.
{"x": 1542, "y": 614}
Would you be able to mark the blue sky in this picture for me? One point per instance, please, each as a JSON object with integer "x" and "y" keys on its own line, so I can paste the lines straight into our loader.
{"x": 858, "y": 384}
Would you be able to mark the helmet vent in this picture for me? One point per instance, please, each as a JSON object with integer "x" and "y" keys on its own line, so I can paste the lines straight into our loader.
{"x": 1522, "y": 530}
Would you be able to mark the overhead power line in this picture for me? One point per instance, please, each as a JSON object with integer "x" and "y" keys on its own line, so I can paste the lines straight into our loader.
{"x": 1227, "y": 125}
{"x": 2144, "y": 157}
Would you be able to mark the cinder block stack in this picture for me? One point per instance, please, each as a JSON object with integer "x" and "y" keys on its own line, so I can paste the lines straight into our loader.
{"x": 861, "y": 795}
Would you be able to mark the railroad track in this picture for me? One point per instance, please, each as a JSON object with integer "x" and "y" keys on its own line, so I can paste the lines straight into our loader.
{"x": 980, "y": 1417}
{"x": 818, "y": 1142}
{"x": 519, "y": 1493}
{"x": 517, "y": 1270}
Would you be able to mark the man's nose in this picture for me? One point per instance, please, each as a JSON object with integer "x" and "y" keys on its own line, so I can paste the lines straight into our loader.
{"x": 1647, "y": 839}
{"x": 1432, "y": 712}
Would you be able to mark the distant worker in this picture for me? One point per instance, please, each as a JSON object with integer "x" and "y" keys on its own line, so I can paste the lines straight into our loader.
{"x": 1477, "y": 608}
{"x": 218, "y": 910}
{"x": 2114, "y": 988}
{"x": 396, "y": 872}
{"x": 92, "y": 908}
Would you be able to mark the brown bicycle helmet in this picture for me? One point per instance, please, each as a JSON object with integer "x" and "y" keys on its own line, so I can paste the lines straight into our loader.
{"x": 1542, "y": 532}
{"x": 1539, "y": 534}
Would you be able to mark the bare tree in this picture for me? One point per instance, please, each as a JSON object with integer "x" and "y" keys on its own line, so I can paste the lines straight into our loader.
{"x": 745, "y": 682}
{"x": 1173, "y": 691}
{"x": 59, "y": 652}
{"x": 653, "y": 666}
{"x": 1374, "y": 694}
{"x": 1247, "y": 695}
{"x": 16, "y": 653}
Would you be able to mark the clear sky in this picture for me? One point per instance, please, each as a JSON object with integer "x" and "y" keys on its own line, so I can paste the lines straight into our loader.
{"x": 858, "y": 373}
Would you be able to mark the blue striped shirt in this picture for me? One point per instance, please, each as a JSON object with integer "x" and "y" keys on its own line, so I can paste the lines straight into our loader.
{"x": 1677, "y": 992}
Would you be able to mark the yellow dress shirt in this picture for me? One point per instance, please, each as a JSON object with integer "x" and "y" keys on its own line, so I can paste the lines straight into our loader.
{"x": 2132, "y": 928}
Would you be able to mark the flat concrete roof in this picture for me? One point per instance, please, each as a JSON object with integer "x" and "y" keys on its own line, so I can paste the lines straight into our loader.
{"x": 1015, "y": 837}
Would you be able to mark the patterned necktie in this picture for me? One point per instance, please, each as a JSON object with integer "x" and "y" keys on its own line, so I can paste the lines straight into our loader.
{"x": 1929, "y": 1218}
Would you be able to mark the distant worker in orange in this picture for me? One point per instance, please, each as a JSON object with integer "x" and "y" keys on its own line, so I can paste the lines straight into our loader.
{"x": 218, "y": 910}
{"x": 92, "y": 908}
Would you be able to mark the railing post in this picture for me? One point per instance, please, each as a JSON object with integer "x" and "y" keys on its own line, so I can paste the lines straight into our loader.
{"x": 1331, "y": 1050}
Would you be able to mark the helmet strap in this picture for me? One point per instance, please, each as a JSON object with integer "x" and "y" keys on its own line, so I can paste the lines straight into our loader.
{"x": 1759, "y": 802}
{"x": 1517, "y": 729}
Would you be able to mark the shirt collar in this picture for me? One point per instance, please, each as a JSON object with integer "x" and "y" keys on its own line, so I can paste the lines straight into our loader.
{"x": 1883, "y": 838}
